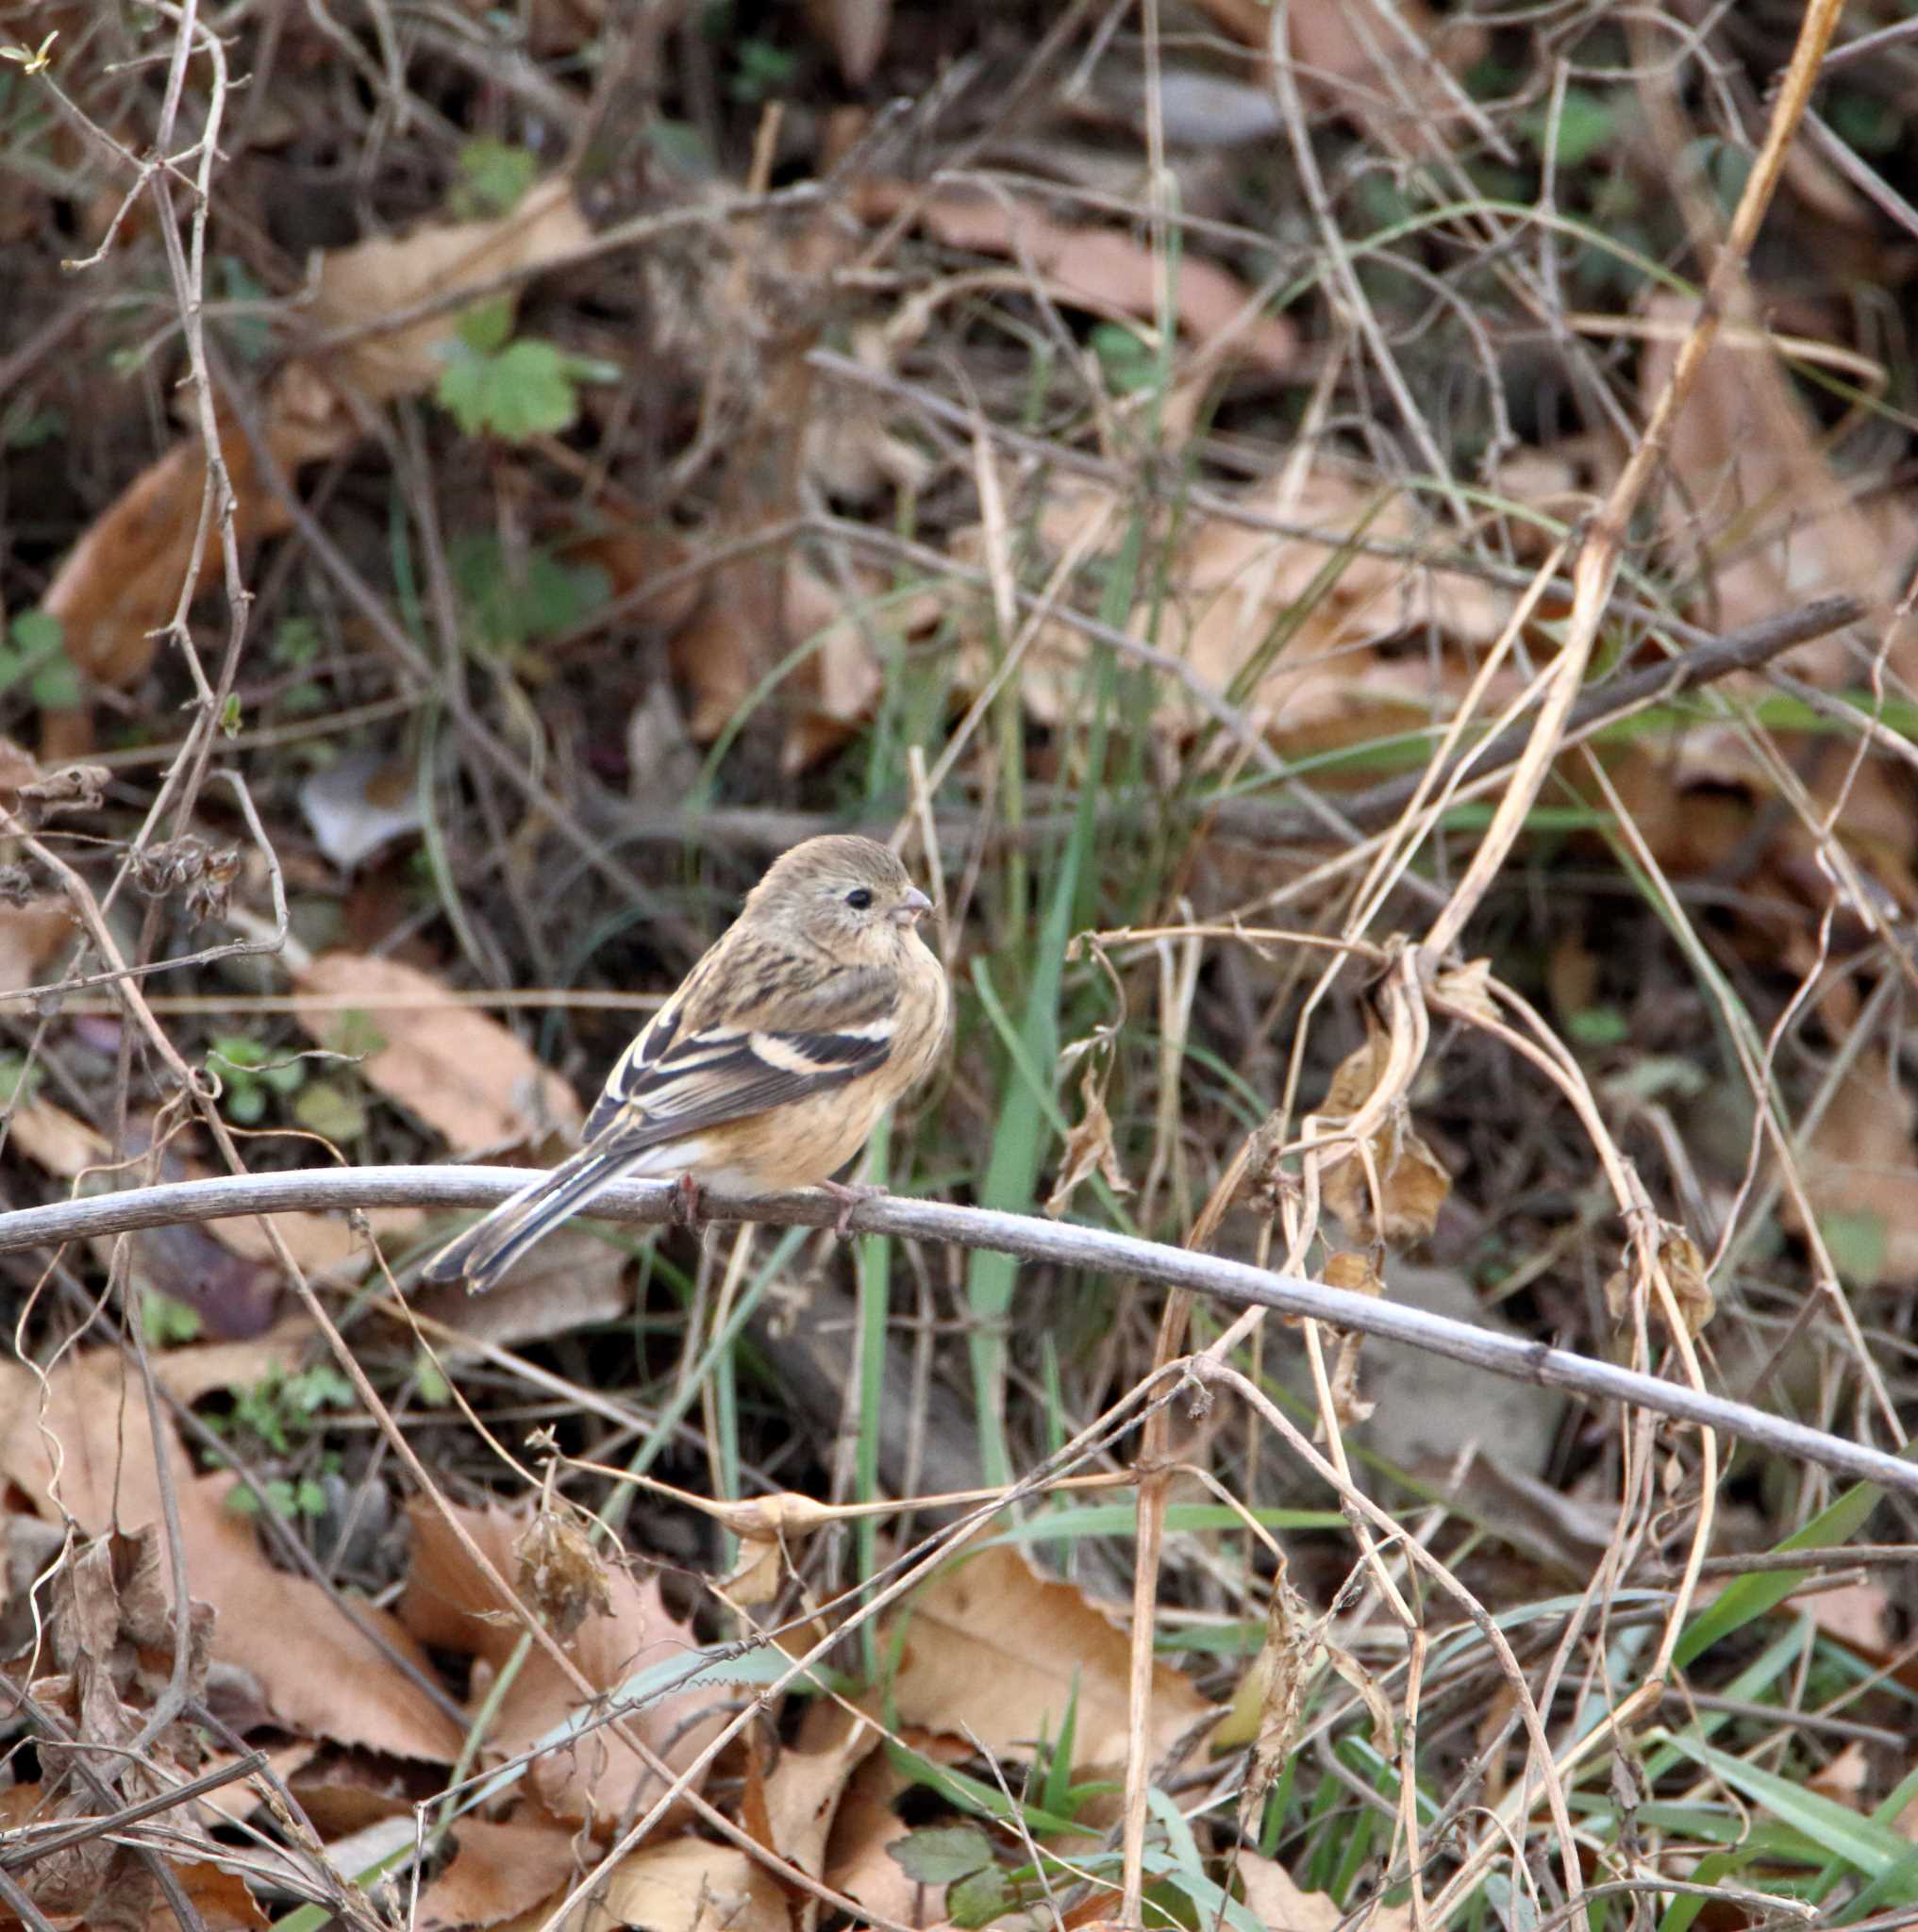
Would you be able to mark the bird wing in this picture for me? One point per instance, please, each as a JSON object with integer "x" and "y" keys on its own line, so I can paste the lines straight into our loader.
{"x": 709, "y": 1056}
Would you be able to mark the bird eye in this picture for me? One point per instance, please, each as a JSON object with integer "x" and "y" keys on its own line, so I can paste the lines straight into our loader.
{"x": 860, "y": 898}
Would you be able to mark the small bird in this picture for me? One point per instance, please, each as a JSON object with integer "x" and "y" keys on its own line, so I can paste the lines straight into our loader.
{"x": 770, "y": 1065}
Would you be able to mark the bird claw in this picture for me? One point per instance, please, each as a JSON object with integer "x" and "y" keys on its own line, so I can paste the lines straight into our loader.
{"x": 851, "y": 1195}
{"x": 687, "y": 1208}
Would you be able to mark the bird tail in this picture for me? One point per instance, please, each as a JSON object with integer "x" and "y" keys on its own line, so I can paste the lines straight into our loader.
{"x": 493, "y": 1244}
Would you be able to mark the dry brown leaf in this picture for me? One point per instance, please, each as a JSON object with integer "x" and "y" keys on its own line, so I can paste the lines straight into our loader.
{"x": 1270, "y": 1700}
{"x": 498, "y": 1870}
{"x": 458, "y": 1069}
{"x": 632, "y": 556}
{"x": 1275, "y": 1899}
{"x": 748, "y": 621}
{"x": 319, "y": 1669}
{"x": 851, "y": 451}
{"x": 857, "y": 1860}
{"x": 1684, "y": 1267}
{"x": 319, "y": 1243}
{"x": 687, "y": 1885}
{"x": 1860, "y": 1176}
{"x": 1249, "y": 21}
{"x": 837, "y": 685}
{"x": 1355, "y": 1272}
{"x": 1745, "y": 464}
{"x": 221, "y": 1899}
{"x": 1468, "y": 988}
{"x": 1412, "y": 1181}
{"x": 1102, "y": 270}
{"x": 1089, "y": 1147}
{"x": 390, "y": 274}
{"x": 119, "y": 586}
{"x": 236, "y": 1801}
{"x": 1847, "y": 1778}
{"x": 343, "y": 1796}
{"x": 100, "y": 1662}
{"x": 758, "y": 1573}
{"x": 449, "y": 1604}
{"x": 1347, "y": 54}
{"x": 1707, "y": 805}
{"x": 30, "y": 935}
{"x": 856, "y": 32}
{"x": 995, "y": 1651}
{"x": 571, "y": 1279}
{"x": 663, "y": 763}
{"x": 716, "y": 656}
{"x": 188, "y": 1373}
{"x": 802, "y": 1796}
{"x": 60, "y": 1141}
{"x": 1860, "y": 1616}
{"x": 1225, "y": 588}
{"x": 1348, "y": 51}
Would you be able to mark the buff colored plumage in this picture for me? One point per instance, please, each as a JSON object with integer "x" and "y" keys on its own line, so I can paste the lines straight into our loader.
{"x": 771, "y": 1064}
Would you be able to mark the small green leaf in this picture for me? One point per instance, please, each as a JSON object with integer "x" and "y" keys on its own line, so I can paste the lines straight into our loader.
{"x": 167, "y": 1321}
{"x": 230, "y": 715}
{"x": 528, "y": 389}
{"x": 762, "y": 69}
{"x": 594, "y": 369}
{"x": 285, "y": 1076}
{"x": 26, "y": 427}
{"x": 1865, "y": 123}
{"x": 495, "y": 177}
{"x": 1659, "y": 1076}
{"x": 533, "y": 390}
{"x": 297, "y": 643}
{"x": 1127, "y": 362}
{"x": 1599, "y": 1026}
{"x": 241, "y": 1501}
{"x": 56, "y": 687}
{"x": 680, "y": 147}
{"x": 245, "y": 1102}
{"x": 37, "y": 633}
{"x": 1857, "y": 1242}
{"x": 979, "y": 1900}
{"x": 488, "y": 327}
{"x": 462, "y": 393}
{"x": 1586, "y": 123}
{"x": 942, "y": 1853}
{"x": 250, "y": 334}
{"x": 309, "y": 1499}
{"x": 430, "y": 1381}
{"x": 329, "y": 1107}
{"x": 511, "y": 602}
{"x": 357, "y": 1036}
{"x": 321, "y": 1387}
{"x": 18, "y": 1078}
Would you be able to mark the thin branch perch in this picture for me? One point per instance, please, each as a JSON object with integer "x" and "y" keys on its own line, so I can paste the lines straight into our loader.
{"x": 1027, "y": 1236}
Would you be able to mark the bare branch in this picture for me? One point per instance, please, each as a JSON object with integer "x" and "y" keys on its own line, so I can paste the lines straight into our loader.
{"x": 1027, "y": 1236}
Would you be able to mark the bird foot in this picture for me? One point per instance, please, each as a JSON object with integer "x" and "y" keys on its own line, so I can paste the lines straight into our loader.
{"x": 851, "y": 1195}
{"x": 688, "y": 1209}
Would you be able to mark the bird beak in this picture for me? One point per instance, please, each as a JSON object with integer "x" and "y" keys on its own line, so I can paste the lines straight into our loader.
{"x": 908, "y": 910}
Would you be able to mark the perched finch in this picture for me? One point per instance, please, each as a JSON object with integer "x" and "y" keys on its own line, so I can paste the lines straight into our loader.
{"x": 770, "y": 1065}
